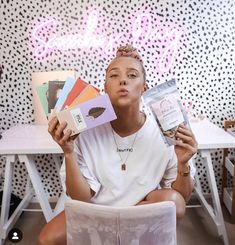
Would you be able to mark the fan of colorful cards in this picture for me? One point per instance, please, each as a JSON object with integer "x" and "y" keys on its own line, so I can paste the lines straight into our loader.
{"x": 82, "y": 107}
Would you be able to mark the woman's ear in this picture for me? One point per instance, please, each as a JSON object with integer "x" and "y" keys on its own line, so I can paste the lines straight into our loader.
{"x": 105, "y": 86}
{"x": 146, "y": 87}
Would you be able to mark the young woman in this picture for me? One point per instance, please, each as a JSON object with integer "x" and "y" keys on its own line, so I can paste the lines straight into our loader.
{"x": 124, "y": 162}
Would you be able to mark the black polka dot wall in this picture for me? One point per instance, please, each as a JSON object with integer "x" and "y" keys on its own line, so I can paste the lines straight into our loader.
{"x": 203, "y": 65}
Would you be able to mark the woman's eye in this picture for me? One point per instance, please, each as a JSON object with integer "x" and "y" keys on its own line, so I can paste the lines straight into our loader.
{"x": 132, "y": 75}
{"x": 113, "y": 75}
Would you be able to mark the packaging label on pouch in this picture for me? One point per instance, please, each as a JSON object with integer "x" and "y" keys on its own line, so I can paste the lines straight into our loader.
{"x": 168, "y": 112}
{"x": 165, "y": 104}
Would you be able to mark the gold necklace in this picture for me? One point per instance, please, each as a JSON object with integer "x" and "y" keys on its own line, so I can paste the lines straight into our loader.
{"x": 123, "y": 165}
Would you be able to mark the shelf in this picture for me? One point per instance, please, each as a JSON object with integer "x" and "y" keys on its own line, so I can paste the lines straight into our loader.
{"x": 228, "y": 191}
{"x": 229, "y": 164}
{"x": 227, "y": 198}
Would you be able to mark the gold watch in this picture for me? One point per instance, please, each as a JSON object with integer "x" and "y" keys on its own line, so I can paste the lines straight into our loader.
{"x": 185, "y": 170}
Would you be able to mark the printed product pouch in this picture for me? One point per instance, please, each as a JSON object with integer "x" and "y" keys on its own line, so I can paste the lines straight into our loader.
{"x": 164, "y": 102}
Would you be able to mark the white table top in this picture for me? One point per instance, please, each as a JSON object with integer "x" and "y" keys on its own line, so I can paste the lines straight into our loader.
{"x": 210, "y": 136}
{"x": 28, "y": 139}
{"x": 35, "y": 139}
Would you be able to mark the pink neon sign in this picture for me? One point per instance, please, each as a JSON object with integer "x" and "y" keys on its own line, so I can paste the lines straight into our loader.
{"x": 143, "y": 33}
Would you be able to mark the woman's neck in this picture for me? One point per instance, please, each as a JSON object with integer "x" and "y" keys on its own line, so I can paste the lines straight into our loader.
{"x": 128, "y": 121}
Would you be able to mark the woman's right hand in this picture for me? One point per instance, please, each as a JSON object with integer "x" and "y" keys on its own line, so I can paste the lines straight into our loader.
{"x": 65, "y": 140}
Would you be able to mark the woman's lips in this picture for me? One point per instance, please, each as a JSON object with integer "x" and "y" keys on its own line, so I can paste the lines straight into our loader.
{"x": 123, "y": 92}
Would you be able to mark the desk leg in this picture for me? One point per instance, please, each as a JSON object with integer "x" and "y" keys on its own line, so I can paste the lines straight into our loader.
{"x": 7, "y": 223}
{"x": 60, "y": 203}
{"x": 37, "y": 185}
{"x": 6, "y": 194}
{"x": 57, "y": 162}
{"x": 215, "y": 213}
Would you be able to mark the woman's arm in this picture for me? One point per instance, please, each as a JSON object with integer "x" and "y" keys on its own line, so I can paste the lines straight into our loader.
{"x": 185, "y": 148}
{"x": 183, "y": 183}
{"x": 76, "y": 185}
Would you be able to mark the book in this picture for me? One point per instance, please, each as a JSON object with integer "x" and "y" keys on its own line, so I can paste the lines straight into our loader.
{"x": 54, "y": 90}
{"x": 64, "y": 93}
{"x": 88, "y": 93}
{"x": 74, "y": 92}
{"x": 87, "y": 115}
{"x": 42, "y": 79}
{"x": 42, "y": 92}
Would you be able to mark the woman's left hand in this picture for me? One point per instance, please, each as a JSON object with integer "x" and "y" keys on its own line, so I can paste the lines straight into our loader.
{"x": 186, "y": 144}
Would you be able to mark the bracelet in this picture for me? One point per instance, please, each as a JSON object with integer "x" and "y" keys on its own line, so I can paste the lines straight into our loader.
{"x": 185, "y": 172}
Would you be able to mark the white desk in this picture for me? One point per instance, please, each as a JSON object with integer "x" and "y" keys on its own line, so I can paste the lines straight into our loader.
{"x": 210, "y": 136}
{"x": 22, "y": 142}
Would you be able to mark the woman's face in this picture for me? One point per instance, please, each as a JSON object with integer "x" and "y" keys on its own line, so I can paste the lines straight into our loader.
{"x": 124, "y": 81}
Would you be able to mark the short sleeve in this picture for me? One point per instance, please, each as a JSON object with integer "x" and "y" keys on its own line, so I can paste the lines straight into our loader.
{"x": 87, "y": 174}
{"x": 192, "y": 167}
{"x": 171, "y": 170}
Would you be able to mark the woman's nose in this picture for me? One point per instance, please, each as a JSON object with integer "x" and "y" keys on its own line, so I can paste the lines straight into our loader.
{"x": 123, "y": 82}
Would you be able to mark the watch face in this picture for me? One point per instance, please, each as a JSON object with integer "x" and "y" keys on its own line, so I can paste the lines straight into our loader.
{"x": 185, "y": 171}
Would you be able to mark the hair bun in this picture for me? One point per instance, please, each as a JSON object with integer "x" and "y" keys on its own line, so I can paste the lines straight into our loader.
{"x": 128, "y": 51}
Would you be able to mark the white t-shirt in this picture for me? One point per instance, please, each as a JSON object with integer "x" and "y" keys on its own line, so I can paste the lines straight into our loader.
{"x": 150, "y": 163}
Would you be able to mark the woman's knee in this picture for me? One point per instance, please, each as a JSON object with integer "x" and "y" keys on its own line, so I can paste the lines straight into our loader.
{"x": 180, "y": 204}
{"x": 177, "y": 198}
{"x": 54, "y": 232}
{"x": 168, "y": 195}
{"x": 45, "y": 239}
{"x": 49, "y": 238}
